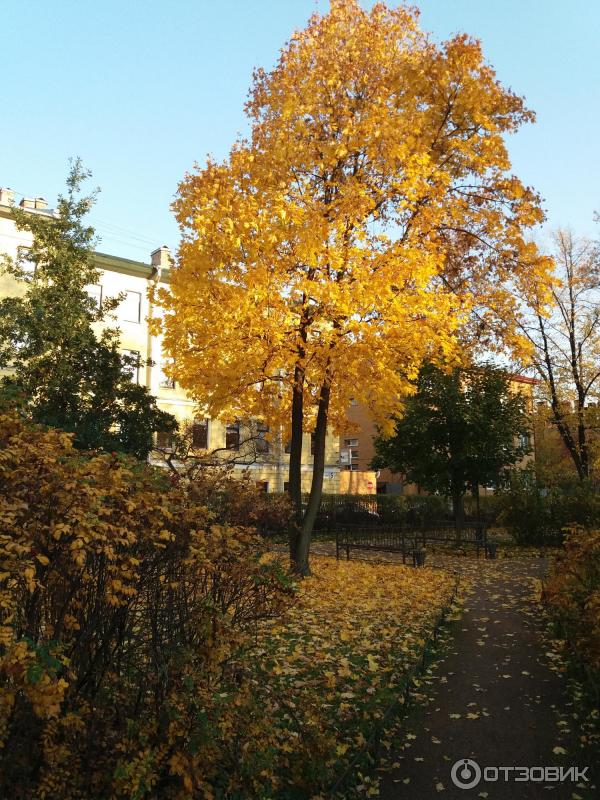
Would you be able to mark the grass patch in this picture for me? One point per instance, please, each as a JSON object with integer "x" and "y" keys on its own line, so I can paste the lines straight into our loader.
{"x": 332, "y": 666}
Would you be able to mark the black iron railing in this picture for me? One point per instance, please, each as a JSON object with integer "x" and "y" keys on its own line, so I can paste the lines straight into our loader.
{"x": 408, "y": 539}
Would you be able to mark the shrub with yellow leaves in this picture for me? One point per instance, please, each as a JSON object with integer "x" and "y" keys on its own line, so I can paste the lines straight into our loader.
{"x": 573, "y": 592}
{"x": 123, "y": 605}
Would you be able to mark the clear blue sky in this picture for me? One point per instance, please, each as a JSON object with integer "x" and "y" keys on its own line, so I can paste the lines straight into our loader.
{"x": 141, "y": 89}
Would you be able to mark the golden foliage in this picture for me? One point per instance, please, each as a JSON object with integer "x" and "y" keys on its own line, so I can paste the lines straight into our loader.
{"x": 368, "y": 216}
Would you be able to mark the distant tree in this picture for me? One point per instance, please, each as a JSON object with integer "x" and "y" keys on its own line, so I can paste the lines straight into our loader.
{"x": 566, "y": 345}
{"x": 460, "y": 430}
{"x": 553, "y": 462}
{"x": 65, "y": 373}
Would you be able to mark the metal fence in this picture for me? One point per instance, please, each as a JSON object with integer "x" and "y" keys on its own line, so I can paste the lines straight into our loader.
{"x": 407, "y": 539}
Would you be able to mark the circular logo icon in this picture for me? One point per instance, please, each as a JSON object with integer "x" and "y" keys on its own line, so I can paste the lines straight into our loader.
{"x": 465, "y": 773}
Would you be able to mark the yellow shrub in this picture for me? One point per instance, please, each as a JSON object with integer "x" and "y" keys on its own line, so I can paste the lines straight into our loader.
{"x": 573, "y": 592}
{"x": 122, "y": 604}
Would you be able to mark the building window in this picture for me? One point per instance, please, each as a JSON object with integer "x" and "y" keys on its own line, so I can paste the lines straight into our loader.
{"x": 200, "y": 434}
{"x": 164, "y": 381}
{"x": 232, "y": 436}
{"x": 263, "y": 485}
{"x": 262, "y": 444}
{"x": 130, "y": 308}
{"x": 524, "y": 440}
{"x": 131, "y": 364}
{"x": 95, "y": 294}
{"x": 164, "y": 440}
{"x": 350, "y": 453}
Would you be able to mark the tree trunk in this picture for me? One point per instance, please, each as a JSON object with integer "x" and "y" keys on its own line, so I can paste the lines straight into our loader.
{"x": 558, "y": 414}
{"x": 477, "y": 500}
{"x": 582, "y": 441}
{"x": 458, "y": 508}
{"x": 300, "y": 545}
{"x": 295, "y": 473}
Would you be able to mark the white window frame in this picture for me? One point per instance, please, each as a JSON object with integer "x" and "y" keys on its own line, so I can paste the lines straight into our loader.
{"x": 170, "y": 434}
{"x": 123, "y": 309}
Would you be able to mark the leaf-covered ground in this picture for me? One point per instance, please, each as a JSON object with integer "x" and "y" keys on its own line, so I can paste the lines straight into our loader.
{"x": 336, "y": 662}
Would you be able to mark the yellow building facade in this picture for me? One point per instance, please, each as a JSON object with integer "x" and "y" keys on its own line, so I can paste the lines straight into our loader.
{"x": 268, "y": 464}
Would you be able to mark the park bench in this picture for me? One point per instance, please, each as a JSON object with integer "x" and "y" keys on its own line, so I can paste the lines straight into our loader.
{"x": 409, "y": 540}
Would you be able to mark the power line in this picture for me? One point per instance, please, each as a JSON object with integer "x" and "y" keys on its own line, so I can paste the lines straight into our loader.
{"x": 111, "y": 231}
{"x": 101, "y": 223}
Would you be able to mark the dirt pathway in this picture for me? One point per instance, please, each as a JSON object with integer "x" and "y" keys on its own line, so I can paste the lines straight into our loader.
{"x": 493, "y": 698}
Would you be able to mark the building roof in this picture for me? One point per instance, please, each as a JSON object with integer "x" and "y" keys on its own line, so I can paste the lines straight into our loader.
{"x": 104, "y": 261}
{"x": 5, "y": 211}
{"x": 127, "y": 266}
{"x": 524, "y": 379}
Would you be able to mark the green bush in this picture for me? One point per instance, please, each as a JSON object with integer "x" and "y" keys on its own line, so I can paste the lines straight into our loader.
{"x": 536, "y": 515}
{"x": 384, "y": 508}
{"x": 490, "y": 507}
{"x": 426, "y": 508}
{"x": 526, "y": 514}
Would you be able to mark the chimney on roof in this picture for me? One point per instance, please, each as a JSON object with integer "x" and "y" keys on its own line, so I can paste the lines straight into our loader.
{"x": 40, "y": 203}
{"x": 7, "y": 197}
{"x": 160, "y": 259}
{"x": 27, "y": 202}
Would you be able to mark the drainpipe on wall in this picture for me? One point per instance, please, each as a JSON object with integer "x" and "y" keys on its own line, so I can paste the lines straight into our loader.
{"x": 160, "y": 259}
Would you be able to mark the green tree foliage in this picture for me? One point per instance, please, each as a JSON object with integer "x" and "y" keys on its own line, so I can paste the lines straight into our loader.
{"x": 66, "y": 374}
{"x": 535, "y": 513}
{"x": 460, "y": 430}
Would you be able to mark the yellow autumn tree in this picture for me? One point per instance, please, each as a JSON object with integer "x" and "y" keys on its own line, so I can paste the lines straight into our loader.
{"x": 366, "y": 222}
